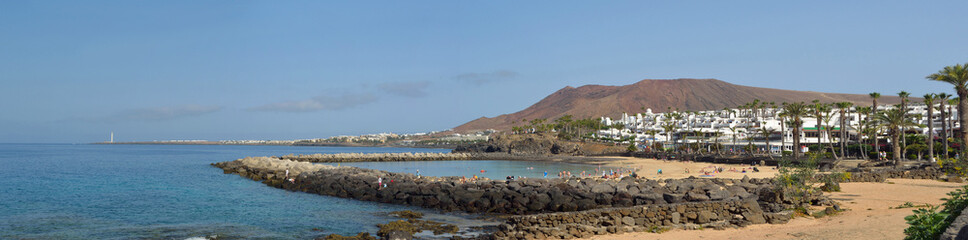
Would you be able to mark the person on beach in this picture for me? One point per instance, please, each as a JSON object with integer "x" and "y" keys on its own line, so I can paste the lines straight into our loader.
{"x": 379, "y": 183}
{"x": 546, "y": 174}
{"x": 660, "y": 171}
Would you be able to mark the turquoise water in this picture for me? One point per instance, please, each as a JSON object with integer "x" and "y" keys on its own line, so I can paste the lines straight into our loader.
{"x": 170, "y": 191}
{"x": 497, "y": 169}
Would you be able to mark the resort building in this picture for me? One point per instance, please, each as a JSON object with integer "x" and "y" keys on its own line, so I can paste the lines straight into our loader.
{"x": 764, "y": 129}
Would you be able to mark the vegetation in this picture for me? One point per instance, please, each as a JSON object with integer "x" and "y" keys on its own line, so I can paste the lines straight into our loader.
{"x": 796, "y": 112}
{"x": 957, "y": 75}
{"x": 894, "y": 120}
{"x": 929, "y": 100}
{"x": 929, "y": 223}
{"x": 954, "y": 166}
{"x": 795, "y": 181}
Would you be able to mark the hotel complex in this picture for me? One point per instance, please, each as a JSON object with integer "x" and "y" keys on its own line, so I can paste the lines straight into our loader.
{"x": 738, "y": 128}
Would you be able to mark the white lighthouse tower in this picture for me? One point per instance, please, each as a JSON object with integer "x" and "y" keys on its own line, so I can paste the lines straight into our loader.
{"x": 112, "y": 137}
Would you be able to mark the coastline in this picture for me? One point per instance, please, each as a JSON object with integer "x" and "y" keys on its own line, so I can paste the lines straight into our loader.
{"x": 427, "y": 146}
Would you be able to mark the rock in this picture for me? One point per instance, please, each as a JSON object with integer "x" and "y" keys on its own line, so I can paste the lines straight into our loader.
{"x": 719, "y": 194}
{"x": 829, "y": 211}
{"x": 629, "y": 221}
{"x": 779, "y": 217}
{"x": 703, "y": 217}
{"x": 955, "y": 179}
{"x": 755, "y": 217}
{"x": 738, "y": 191}
{"x": 603, "y": 188}
{"x": 399, "y": 235}
{"x": 696, "y": 197}
{"x": 676, "y": 217}
{"x": 672, "y": 197}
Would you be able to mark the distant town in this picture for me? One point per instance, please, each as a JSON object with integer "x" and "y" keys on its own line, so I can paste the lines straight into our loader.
{"x": 445, "y": 138}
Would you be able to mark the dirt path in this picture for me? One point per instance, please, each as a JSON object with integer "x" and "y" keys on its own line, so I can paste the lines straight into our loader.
{"x": 869, "y": 215}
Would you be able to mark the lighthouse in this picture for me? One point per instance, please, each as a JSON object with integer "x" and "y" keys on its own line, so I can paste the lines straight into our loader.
{"x": 112, "y": 137}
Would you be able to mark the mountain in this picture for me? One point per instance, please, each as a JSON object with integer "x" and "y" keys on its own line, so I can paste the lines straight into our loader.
{"x": 658, "y": 95}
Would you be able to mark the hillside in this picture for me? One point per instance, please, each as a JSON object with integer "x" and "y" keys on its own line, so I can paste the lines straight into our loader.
{"x": 659, "y": 95}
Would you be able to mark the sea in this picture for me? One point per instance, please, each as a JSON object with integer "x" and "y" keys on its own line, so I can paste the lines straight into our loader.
{"x": 93, "y": 191}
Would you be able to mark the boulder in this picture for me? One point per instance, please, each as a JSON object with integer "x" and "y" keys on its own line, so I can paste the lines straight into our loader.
{"x": 628, "y": 221}
{"x": 694, "y": 196}
{"x": 719, "y": 194}
{"x": 399, "y": 235}
{"x": 672, "y": 197}
{"x": 603, "y": 188}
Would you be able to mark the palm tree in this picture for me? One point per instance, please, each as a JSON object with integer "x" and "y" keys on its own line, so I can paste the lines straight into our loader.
{"x": 669, "y": 127}
{"x": 951, "y": 123}
{"x": 957, "y": 75}
{"x": 766, "y": 132}
{"x": 943, "y": 101}
{"x": 862, "y": 126}
{"x": 782, "y": 116}
{"x": 732, "y": 148}
{"x": 651, "y": 143}
{"x": 843, "y": 106}
{"x": 828, "y": 113}
{"x": 877, "y": 144}
{"x": 716, "y": 135}
{"x": 796, "y": 112}
{"x": 929, "y": 101}
{"x": 904, "y": 99}
{"x": 818, "y": 110}
{"x": 893, "y": 120}
{"x": 698, "y": 140}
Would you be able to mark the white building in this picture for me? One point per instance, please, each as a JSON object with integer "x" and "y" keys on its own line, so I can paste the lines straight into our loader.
{"x": 747, "y": 126}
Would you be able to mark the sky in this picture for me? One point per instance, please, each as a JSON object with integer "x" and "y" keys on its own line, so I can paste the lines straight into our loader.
{"x": 75, "y": 71}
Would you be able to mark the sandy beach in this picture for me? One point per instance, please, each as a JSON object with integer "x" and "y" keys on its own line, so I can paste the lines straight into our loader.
{"x": 648, "y": 168}
{"x": 869, "y": 216}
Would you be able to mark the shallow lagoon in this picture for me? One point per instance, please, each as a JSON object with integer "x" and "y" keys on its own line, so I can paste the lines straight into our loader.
{"x": 493, "y": 169}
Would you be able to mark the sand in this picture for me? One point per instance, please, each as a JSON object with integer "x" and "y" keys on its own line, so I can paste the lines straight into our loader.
{"x": 648, "y": 168}
{"x": 869, "y": 215}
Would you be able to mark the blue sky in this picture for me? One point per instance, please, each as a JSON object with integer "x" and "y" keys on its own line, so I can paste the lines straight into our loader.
{"x": 73, "y": 71}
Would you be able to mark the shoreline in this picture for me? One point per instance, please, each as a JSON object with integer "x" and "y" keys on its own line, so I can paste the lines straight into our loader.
{"x": 521, "y": 213}
{"x": 451, "y": 147}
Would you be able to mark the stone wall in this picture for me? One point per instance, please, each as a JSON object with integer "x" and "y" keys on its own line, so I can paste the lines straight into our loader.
{"x": 522, "y": 196}
{"x": 583, "y": 224}
{"x": 882, "y": 175}
{"x": 958, "y": 229}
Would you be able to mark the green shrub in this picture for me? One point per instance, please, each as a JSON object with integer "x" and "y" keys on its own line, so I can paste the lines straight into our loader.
{"x": 794, "y": 182}
{"x": 929, "y": 223}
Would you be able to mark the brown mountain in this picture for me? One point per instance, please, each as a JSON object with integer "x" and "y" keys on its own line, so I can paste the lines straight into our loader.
{"x": 659, "y": 95}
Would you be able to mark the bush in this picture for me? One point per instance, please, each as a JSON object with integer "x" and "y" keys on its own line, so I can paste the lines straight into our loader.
{"x": 929, "y": 223}
{"x": 953, "y": 166}
{"x": 794, "y": 182}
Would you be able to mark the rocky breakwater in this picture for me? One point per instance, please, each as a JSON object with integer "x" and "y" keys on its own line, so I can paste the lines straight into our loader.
{"x": 657, "y": 217}
{"x": 522, "y": 196}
